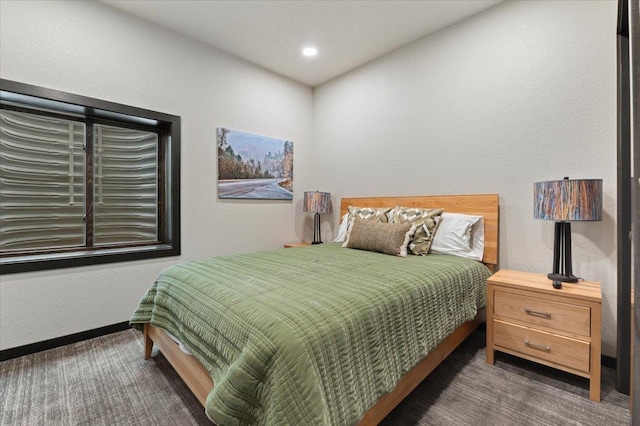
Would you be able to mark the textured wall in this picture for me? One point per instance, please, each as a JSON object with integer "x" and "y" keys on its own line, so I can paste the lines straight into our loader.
{"x": 93, "y": 50}
{"x": 523, "y": 92}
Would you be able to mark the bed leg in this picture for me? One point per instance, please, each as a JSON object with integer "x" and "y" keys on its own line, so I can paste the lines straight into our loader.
{"x": 148, "y": 343}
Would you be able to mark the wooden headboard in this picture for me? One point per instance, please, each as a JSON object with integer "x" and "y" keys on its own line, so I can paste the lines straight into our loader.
{"x": 485, "y": 205}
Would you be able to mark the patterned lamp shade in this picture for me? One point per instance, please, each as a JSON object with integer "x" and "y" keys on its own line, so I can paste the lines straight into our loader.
{"x": 317, "y": 202}
{"x": 568, "y": 200}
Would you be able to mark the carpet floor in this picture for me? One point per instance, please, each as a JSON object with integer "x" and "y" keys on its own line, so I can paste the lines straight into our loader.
{"x": 105, "y": 381}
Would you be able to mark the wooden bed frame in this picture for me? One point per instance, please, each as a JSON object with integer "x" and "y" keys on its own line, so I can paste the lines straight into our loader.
{"x": 200, "y": 382}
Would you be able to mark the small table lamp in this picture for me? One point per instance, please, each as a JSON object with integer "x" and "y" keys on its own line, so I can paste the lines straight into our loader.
{"x": 316, "y": 202}
{"x": 565, "y": 201}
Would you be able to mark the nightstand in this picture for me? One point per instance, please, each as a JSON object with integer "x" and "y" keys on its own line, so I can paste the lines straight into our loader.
{"x": 289, "y": 245}
{"x": 528, "y": 318}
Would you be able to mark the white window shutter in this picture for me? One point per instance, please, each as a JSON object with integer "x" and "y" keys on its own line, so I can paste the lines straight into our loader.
{"x": 41, "y": 181}
{"x": 125, "y": 185}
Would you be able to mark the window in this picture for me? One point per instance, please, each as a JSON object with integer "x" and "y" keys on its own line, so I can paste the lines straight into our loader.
{"x": 84, "y": 181}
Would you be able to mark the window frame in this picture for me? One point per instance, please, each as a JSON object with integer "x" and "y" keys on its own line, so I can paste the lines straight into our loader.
{"x": 91, "y": 110}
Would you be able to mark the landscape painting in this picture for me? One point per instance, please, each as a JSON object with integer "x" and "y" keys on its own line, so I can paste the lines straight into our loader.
{"x": 254, "y": 166}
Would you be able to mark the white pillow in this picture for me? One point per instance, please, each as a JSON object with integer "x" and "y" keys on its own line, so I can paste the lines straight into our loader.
{"x": 342, "y": 229}
{"x": 460, "y": 235}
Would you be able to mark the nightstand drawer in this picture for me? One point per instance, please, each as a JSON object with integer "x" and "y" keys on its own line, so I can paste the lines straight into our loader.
{"x": 559, "y": 316}
{"x": 560, "y": 350}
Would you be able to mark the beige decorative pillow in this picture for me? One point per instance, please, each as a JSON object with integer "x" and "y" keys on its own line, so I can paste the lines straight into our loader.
{"x": 426, "y": 220}
{"x": 369, "y": 213}
{"x": 389, "y": 238}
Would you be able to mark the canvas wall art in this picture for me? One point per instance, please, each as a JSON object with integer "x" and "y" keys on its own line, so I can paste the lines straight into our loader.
{"x": 254, "y": 166}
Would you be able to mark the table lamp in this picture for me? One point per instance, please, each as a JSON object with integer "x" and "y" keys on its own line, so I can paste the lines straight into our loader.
{"x": 565, "y": 201}
{"x": 317, "y": 203}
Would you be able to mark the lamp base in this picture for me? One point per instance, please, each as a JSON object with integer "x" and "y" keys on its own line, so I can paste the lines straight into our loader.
{"x": 316, "y": 229}
{"x": 563, "y": 278}
{"x": 562, "y": 271}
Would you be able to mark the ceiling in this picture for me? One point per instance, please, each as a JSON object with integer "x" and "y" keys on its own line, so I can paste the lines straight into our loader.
{"x": 272, "y": 34}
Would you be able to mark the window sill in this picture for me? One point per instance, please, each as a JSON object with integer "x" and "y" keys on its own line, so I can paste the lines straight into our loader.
{"x": 38, "y": 262}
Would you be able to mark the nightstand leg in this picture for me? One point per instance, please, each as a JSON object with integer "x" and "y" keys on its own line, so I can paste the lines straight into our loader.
{"x": 491, "y": 353}
{"x": 491, "y": 356}
{"x": 594, "y": 387}
{"x": 596, "y": 347}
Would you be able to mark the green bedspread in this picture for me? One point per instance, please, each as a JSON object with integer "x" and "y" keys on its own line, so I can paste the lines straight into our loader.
{"x": 311, "y": 335}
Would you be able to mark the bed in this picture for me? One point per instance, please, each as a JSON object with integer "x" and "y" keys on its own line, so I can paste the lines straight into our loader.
{"x": 264, "y": 335}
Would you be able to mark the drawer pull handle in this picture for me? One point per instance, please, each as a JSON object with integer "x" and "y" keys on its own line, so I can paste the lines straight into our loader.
{"x": 538, "y": 314}
{"x": 537, "y": 346}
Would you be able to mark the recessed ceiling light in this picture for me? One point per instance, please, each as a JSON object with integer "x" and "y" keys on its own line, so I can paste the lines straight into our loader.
{"x": 309, "y": 51}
